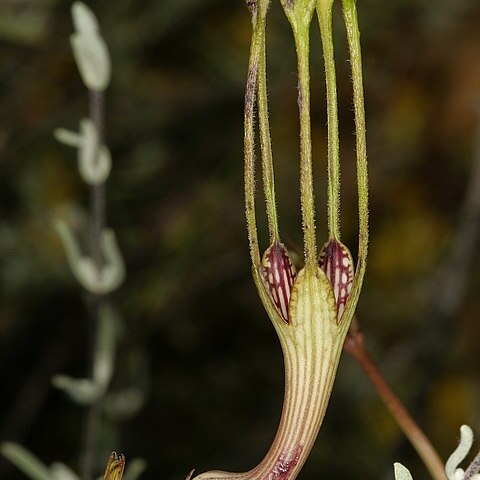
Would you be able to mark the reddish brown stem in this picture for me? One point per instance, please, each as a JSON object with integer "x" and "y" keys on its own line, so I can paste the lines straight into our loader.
{"x": 98, "y": 223}
{"x": 355, "y": 346}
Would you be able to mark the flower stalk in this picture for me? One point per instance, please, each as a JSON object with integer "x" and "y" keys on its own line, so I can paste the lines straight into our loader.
{"x": 324, "y": 13}
{"x": 353, "y": 36}
{"x": 300, "y": 17}
{"x": 249, "y": 130}
{"x": 265, "y": 140}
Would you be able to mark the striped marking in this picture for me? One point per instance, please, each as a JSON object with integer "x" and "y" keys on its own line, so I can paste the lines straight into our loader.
{"x": 278, "y": 274}
{"x": 336, "y": 261}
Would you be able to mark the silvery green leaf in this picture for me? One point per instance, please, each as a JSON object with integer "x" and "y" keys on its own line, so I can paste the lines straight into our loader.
{"x": 464, "y": 446}
{"x": 459, "y": 474}
{"x": 60, "y": 471}
{"x": 125, "y": 403}
{"x": 72, "y": 250}
{"x": 84, "y": 20}
{"x": 134, "y": 469}
{"x": 28, "y": 463}
{"x": 94, "y": 161}
{"x": 105, "y": 348}
{"x": 87, "y": 274}
{"x": 97, "y": 170}
{"x": 89, "y": 144}
{"x": 85, "y": 391}
{"x": 104, "y": 164}
{"x": 114, "y": 266}
{"x": 95, "y": 280}
{"x": 67, "y": 137}
{"x": 80, "y": 390}
{"x": 109, "y": 276}
{"x": 401, "y": 473}
{"x": 93, "y": 60}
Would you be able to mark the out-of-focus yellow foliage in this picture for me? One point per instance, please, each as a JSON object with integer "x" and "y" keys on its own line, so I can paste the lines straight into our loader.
{"x": 453, "y": 399}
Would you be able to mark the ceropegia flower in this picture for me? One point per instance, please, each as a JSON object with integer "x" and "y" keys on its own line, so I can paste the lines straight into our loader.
{"x": 311, "y": 310}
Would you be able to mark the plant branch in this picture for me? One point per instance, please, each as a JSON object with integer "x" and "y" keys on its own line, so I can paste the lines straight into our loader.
{"x": 354, "y": 345}
{"x": 97, "y": 191}
{"x": 98, "y": 223}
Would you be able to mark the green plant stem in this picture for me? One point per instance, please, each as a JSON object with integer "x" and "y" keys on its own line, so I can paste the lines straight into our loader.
{"x": 265, "y": 140}
{"x": 355, "y": 346}
{"x": 302, "y": 44}
{"x": 324, "y": 11}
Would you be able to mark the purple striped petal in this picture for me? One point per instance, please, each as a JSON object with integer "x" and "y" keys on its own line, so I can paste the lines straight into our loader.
{"x": 278, "y": 275}
{"x": 337, "y": 263}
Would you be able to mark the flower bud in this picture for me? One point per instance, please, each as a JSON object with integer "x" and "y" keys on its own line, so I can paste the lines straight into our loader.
{"x": 115, "y": 467}
{"x": 278, "y": 275}
{"x": 337, "y": 263}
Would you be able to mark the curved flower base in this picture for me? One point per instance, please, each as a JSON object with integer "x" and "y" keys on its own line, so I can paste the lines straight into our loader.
{"x": 311, "y": 344}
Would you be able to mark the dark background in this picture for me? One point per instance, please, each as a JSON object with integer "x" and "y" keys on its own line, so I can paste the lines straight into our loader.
{"x": 195, "y": 338}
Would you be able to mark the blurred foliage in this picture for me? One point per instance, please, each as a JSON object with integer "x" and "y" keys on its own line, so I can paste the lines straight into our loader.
{"x": 204, "y": 353}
